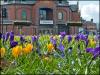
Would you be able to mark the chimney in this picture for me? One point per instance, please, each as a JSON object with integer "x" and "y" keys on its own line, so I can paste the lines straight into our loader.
{"x": 92, "y": 20}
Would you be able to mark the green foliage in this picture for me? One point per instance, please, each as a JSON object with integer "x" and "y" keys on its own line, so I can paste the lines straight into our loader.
{"x": 35, "y": 64}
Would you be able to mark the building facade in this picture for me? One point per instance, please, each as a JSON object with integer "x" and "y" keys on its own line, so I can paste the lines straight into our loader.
{"x": 89, "y": 26}
{"x": 38, "y": 16}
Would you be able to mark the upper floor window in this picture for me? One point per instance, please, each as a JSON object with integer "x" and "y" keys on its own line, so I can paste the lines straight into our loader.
{"x": 4, "y": 13}
{"x": 5, "y": 0}
{"x": 24, "y": 15}
{"x": 60, "y": 15}
{"x": 60, "y": 1}
{"x": 23, "y": 0}
{"x": 43, "y": 14}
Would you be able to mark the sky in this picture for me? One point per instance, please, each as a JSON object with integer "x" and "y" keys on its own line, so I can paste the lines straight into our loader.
{"x": 89, "y": 10}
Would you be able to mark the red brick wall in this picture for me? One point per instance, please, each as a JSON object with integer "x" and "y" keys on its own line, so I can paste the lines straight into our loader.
{"x": 40, "y": 4}
{"x": 65, "y": 12}
{"x": 33, "y": 13}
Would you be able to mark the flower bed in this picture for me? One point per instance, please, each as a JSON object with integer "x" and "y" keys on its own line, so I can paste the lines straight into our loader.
{"x": 49, "y": 54}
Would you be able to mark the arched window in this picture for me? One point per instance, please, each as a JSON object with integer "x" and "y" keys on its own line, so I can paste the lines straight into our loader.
{"x": 60, "y": 15}
{"x": 24, "y": 15}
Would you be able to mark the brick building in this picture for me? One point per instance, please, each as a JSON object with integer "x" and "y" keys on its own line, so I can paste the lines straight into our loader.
{"x": 89, "y": 26}
{"x": 39, "y": 16}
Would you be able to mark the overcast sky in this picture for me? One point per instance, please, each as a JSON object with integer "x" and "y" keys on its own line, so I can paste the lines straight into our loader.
{"x": 89, "y": 9}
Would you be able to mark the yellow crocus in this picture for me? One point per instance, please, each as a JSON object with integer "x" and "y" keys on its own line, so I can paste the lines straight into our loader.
{"x": 16, "y": 51}
{"x": 50, "y": 47}
{"x": 28, "y": 48}
{"x": 92, "y": 42}
{"x": 2, "y": 52}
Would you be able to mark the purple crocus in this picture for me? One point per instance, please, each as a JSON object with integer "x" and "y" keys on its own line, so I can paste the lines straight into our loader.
{"x": 94, "y": 51}
{"x": 83, "y": 37}
{"x": 7, "y": 36}
{"x": 89, "y": 50}
{"x": 86, "y": 36}
{"x": 69, "y": 38}
{"x": 3, "y": 37}
{"x": 77, "y": 37}
{"x": 86, "y": 41}
{"x": 61, "y": 38}
{"x": 63, "y": 34}
{"x": 34, "y": 38}
{"x": 11, "y": 36}
{"x": 0, "y": 35}
{"x": 97, "y": 37}
{"x": 13, "y": 44}
{"x": 22, "y": 38}
{"x": 61, "y": 47}
{"x": 53, "y": 40}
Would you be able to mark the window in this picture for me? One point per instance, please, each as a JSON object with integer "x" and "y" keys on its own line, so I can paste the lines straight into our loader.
{"x": 4, "y": 13}
{"x": 60, "y": 1}
{"x": 23, "y": 0}
{"x": 60, "y": 15}
{"x": 5, "y": 0}
{"x": 43, "y": 14}
{"x": 24, "y": 15}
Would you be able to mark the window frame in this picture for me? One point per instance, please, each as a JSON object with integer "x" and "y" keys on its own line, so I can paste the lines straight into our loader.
{"x": 24, "y": 15}
{"x": 60, "y": 15}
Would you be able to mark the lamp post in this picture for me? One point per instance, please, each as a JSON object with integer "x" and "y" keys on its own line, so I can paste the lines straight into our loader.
{"x": 2, "y": 17}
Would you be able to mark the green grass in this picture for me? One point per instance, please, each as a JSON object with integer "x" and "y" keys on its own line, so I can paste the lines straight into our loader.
{"x": 34, "y": 64}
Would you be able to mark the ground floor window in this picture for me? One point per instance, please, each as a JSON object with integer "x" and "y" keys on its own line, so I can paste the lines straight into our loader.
{"x": 45, "y": 31}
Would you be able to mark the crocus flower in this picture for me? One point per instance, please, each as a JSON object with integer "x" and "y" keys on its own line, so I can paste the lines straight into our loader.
{"x": 28, "y": 48}
{"x": 22, "y": 39}
{"x": 83, "y": 37}
{"x": 61, "y": 38}
{"x": 0, "y": 35}
{"x": 92, "y": 42}
{"x": 3, "y": 37}
{"x": 86, "y": 36}
{"x": 16, "y": 51}
{"x": 86, "y": 42}
{"x": 63, "y": 34}
{"x": 13, "y": 44}
{"x": 11, "y": 36}
{"x": 2, "y": 52}
{"x": 69, "y": 38}
{"x": 7, "y": 36}
{"x": 97, "y": 37}
{"x": 61, "y": 47}
{"x": 94, "y": 51}
{"x": 50, "y": 47}
{"x": 77, "y": 37}
{"x": 34, "y": 38}
{"x": 89, "y": 50}
{"x": 53, "y": 40}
